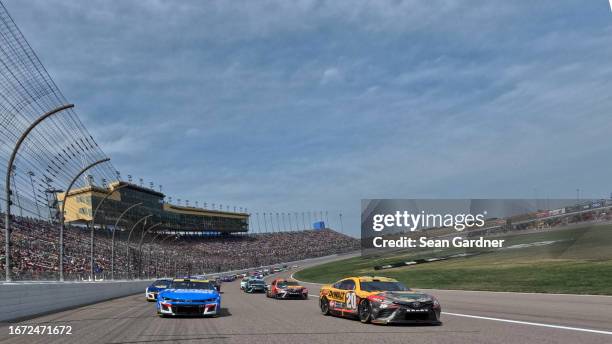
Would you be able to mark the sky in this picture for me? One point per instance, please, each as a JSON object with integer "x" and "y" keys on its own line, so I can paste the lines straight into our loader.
{"x": 282, "y": 106}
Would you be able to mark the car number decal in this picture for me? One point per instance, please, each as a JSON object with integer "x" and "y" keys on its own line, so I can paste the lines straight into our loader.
{"x": 351, "y": 300}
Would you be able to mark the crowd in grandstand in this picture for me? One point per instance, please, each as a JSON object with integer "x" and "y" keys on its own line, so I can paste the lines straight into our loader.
{"x": 35, "y": 251}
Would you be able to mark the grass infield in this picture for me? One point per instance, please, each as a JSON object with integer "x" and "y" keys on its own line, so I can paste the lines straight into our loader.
{"x": 578, "y": 261}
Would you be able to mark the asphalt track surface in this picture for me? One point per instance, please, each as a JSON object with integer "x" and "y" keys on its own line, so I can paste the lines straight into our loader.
{"x": 468, "y": 317}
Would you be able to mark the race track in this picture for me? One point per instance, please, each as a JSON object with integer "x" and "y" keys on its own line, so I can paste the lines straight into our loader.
{"x": 469, "y": 317}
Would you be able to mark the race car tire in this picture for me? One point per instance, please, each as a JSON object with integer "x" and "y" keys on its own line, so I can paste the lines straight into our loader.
{"x": 324, "y": 305}
{"x": 304, "y": 296}
{"x": 365, "y": 312}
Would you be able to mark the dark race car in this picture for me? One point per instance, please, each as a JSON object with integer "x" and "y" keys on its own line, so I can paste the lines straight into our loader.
{"x": 216, "y": 282}
{"x": 255, "y": 286}
{"x": 228, "y": 278}
{"x": 156, "y": 287}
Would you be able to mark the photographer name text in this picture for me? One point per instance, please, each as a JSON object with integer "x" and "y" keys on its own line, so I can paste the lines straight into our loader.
{"x": 424, "y": 242}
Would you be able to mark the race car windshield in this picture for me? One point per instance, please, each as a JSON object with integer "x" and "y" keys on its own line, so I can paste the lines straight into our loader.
{"x": 160, "y": 284}
{"x": 192, "y": 285}
{"x": 383, "y": 286}
{"x": 288, "y": 283}
{"x": 257, "y": 282}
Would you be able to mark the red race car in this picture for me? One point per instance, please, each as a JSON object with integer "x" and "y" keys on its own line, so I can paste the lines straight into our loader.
{"x": 281, "y": 288}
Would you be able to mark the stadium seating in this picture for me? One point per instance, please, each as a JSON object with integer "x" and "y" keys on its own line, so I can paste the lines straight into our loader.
{"x": 35, "y": 251}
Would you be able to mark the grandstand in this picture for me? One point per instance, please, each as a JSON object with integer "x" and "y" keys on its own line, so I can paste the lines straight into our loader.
{"x": 112, "y": 201}
{"x": 35, "y": 247}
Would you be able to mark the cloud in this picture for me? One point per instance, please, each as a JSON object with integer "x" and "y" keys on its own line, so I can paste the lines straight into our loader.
{"x": 330, "y": 75}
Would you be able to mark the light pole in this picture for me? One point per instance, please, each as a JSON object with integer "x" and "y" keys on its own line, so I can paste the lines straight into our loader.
{"x": 277, "y": 222}
{"x": 265, "y": 222}
{"x": 7, "y": 188}
{"x": 272, "y": 223}
{"x": 93, "y": 218}
{"x": 127, "y": 252}
{"x": 113, "y": 237}
{"x": 66, "y": 193}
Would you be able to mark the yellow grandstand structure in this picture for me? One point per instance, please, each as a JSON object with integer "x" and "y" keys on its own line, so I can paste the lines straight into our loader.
{"x": 111, "y": 202}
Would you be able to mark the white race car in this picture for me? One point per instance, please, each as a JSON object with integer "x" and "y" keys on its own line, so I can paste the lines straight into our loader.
{"x": 243, "y": 282}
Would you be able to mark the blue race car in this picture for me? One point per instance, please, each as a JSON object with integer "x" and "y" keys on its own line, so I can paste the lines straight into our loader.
{"x": 155, "y": 287}
{"x": 189, "y": 297}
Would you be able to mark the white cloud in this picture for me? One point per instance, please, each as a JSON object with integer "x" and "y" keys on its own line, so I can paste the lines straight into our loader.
{"x": 330, "y": 75}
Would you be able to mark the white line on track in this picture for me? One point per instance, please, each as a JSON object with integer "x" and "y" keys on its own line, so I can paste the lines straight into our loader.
{"x": 483, "y": 291}
{"x": 293, "y": 278}
{"x": 530, "y": 323}
{"x": 517, "y": 292}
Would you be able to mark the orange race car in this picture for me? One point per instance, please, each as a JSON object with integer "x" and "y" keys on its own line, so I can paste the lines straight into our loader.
{"x": 378, "y": 300}
{"x": 281, "y": 288}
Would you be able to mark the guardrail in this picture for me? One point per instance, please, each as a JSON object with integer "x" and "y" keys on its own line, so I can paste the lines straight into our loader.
{"x": 27, "y": 299}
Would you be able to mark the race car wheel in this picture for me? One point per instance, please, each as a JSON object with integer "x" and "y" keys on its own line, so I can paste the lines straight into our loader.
{"x": 305, "y": 296}
{"x": 324, "y": 304}
{"x": 365, "y": 312}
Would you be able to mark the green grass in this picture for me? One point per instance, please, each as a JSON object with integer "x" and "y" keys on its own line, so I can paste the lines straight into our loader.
{"x": 580, "y": 262}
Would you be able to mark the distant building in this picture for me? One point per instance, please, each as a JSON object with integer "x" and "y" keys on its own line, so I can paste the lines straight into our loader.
{"x": 81, "y": 204}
